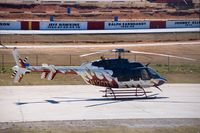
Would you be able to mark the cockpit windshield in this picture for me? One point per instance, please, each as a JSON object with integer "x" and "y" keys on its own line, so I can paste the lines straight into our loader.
{"x": 153, "y": 73}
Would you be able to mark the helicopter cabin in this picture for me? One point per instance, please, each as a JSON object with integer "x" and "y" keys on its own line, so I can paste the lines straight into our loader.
{"x": 125, "y": 70}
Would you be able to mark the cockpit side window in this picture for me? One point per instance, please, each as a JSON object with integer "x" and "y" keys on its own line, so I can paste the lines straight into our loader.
{"x": 140, "y": 73}
{"x": 144, "y": 74}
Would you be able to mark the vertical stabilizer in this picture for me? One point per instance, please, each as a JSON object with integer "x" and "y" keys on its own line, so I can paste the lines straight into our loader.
{"x": 20, "y": 69}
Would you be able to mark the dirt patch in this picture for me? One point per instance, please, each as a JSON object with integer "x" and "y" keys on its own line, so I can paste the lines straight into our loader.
{"x": 97, "y": 39}
{"x": 89, "y": 11}
{"x": 101, "y": 126}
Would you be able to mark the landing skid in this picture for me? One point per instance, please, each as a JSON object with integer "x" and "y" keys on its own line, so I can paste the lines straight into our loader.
{"x": 119, "y": 93}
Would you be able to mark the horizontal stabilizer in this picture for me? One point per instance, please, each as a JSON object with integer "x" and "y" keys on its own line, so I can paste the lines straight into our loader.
{"x": 50, "y": 72}
{"x": 44, "y": 75}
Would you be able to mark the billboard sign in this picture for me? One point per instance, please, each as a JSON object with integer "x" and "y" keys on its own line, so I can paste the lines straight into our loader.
{"x": 10, "y": 25}
{"x": 63, "y": 25}
{"x": 127, "y": 25}
{"x": 183, "y": 24}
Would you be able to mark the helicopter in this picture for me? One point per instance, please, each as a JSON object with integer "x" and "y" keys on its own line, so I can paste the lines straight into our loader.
{"x": 119, "y": 76}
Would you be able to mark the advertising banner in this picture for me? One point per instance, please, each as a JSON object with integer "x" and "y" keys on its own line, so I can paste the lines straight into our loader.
{"x": 183, "y": 24}
{"x": 127, "y": 25}
{"x": 10, "y": 25}
{"x": 44, "y": 25}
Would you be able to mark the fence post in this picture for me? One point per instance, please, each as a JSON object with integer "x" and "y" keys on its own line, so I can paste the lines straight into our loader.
{"x": 175, "y": 35}
{"x": 2, "y": 62}
{"x": 70, "y": 59}
{"x": 33, "y": 38}
{"x": 168, "y": 62}
{"x": 10, "y": 38}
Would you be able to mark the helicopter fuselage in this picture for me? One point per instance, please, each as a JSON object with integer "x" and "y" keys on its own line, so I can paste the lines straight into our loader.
{"x": 120, "y": 73}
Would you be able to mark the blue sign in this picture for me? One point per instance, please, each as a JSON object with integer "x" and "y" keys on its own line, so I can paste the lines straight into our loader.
{"x": 115, "y": 18}
{"x": 51, "y": 18}
{"x": 68, "y": 10}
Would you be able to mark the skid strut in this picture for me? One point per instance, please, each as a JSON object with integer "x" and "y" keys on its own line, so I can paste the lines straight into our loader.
{"x": 138, "y": 91}
{"x": 144, "y": 91}
{"x": 109, "y": 91}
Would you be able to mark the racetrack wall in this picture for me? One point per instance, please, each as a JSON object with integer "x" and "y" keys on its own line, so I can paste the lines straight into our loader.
{"x": 96, "y": 25}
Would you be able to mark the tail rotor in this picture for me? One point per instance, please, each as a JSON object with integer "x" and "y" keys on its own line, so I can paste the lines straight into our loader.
{"x": 20, "y": 69}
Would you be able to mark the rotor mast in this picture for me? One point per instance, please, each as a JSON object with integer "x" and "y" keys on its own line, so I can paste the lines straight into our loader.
{"x": 120, "y": 51}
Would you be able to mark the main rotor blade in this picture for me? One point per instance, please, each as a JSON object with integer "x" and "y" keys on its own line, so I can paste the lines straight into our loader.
{"x": 3, "y": 46}
{"x": 102, "y": 51}
{"x": 164, "y": 55}
{"x": 185, "y": 2}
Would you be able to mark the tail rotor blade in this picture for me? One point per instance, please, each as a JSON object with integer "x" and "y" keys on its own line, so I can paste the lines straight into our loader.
{"x": 18, "y": 77}
{"x": 19, "y": 74}
{"x": 16, "y": 56}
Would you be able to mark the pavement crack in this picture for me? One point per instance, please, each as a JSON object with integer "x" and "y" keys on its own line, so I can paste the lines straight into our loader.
{"x": 21, "y": 112}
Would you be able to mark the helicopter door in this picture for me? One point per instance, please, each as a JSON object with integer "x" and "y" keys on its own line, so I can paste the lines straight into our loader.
{"x": 122, "y": 74}
{"x": 136, "y": 74}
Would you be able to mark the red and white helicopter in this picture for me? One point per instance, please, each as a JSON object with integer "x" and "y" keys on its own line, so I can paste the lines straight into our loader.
{"x": 120, "y": 76}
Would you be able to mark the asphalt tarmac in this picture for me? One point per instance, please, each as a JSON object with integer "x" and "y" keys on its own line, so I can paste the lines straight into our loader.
{"x": 85, "y": 102}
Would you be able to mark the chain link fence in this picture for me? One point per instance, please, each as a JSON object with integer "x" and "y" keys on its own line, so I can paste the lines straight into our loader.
{"x": 7, "y": 61}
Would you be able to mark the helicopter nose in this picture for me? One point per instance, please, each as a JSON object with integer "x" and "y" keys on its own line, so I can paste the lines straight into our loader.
{"x": 161, "y": 81}
{"x": 158, "y": 81}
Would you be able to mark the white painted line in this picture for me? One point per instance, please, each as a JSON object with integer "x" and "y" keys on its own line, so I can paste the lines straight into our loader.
{"x": 135, "y": 31}
{"x": 101, "y": 45}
